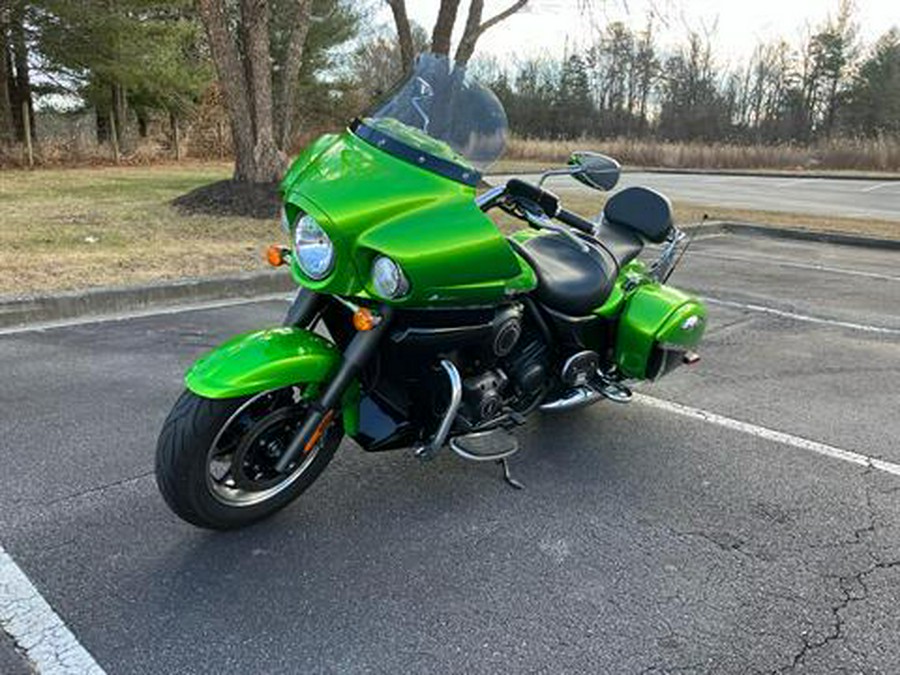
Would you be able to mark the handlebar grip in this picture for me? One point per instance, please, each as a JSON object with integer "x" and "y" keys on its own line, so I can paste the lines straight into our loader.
{"x": 576, "y": 221}
{"x": 548, "y": 201}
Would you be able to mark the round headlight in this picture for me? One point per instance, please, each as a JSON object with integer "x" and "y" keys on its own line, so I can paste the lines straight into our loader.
{"x": 313, "y": 248}
{"x": 388, "y": 278}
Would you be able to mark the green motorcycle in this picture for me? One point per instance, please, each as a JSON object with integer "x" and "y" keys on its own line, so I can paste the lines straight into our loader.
{"x": 418, "y": 323}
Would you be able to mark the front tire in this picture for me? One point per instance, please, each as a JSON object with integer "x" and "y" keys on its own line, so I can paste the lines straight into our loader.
{"x": 214, "y": 457}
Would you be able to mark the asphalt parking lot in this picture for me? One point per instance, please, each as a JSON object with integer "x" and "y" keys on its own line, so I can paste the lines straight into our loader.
{"x": 846, "y": 197}
{"x": 646, "y": 540}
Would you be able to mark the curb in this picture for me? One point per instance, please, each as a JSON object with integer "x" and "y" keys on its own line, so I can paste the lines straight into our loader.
{"x": 775, "y": 232}
{"x": 111, "y": 300}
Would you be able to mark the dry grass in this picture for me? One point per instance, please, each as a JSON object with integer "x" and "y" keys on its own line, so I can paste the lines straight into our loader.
{"x": 880, "y": 155}
{"x": 74, "y": 228}
{"x": 690, "y": 213}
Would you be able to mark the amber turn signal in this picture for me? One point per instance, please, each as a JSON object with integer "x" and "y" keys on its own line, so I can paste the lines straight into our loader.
{"x": 365, "y": 319}
{"x": 276, "y": 255}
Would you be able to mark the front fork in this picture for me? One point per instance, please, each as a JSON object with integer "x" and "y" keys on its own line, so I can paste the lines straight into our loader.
{"x": 355, "y": 357}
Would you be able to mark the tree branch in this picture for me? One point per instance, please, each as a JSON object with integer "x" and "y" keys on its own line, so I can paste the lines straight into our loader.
{"x": 475, "y": 27}
{"x": 505, "y": 14}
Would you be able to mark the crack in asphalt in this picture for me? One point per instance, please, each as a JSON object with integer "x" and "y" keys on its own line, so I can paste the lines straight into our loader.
{"x": 96, "y": 489}
{"x": 853, "y": 587}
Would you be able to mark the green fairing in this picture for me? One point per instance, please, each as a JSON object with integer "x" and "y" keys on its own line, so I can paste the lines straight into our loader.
{"x": 263, "y": 360}
{"x": 372, "y": 203}
{"x": 655, "y": 314}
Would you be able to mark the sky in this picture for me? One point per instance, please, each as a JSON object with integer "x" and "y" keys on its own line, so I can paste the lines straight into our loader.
{"x": 547, "y": 26}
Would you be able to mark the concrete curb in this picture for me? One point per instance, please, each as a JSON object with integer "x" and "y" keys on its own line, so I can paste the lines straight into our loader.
{"x": 775, "y": 232}
{"x": 109, "y": 301}
{"x": 113, "y": 300}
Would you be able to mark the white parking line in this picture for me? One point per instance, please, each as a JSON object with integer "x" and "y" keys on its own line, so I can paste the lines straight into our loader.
{"x": 789, "y": 263}
{"x": 803, "y": 317}
{"x": 872, "y": 188}
{"x": 140, "y": 313}
{"x": 770, "y": 434}
{"x": 36, "y": 629}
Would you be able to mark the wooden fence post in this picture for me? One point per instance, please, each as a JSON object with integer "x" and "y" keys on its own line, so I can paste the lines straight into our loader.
{"x": 26, "y": 122}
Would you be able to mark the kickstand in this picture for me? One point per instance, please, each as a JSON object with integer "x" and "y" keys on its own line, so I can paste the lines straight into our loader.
{"x": 507, "y": 476}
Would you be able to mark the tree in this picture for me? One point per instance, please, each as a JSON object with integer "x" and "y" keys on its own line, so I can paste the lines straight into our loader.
{"x": 7, "y": 129}
{"x": 124, "y": 57}
{"x": 443, "y": 28}
{"x": 14, "y": 16}
{"x": 378, "y": 62}
{"x": 873, "y": 102}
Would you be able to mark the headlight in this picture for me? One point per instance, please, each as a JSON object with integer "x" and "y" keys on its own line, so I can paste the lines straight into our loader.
{"x": 313, "y": 248}
{"x": 388, "y": 278}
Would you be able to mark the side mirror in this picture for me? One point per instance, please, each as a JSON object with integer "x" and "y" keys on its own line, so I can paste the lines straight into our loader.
{"x": 595, "y": 170}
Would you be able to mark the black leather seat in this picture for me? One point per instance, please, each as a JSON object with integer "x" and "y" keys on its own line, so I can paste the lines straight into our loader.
{"x": 570, "y": 280}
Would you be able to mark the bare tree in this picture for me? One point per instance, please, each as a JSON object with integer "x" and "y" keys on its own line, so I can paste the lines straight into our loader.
{"x": 443, "y": 28}
{"x": 475, "y": 27}
{"x": 244, "y": 63}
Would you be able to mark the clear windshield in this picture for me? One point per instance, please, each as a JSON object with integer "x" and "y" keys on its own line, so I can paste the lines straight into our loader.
{"x": 441, "y": 111}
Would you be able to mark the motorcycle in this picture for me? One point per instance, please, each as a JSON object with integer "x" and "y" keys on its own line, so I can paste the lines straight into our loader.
{"x": 418, "y": 323}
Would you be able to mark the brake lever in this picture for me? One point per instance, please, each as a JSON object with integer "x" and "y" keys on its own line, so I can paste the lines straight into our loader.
{"x": 542, "y": 222}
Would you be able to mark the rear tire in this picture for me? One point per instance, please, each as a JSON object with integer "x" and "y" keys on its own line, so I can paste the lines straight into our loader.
{"x": 187, "y": 449}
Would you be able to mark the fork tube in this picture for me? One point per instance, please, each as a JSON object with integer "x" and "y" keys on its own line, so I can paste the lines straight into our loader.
{"x": 357, "y": 354}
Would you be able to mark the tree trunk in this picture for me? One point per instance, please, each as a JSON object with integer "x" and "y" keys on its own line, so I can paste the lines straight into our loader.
{"x": 246, "y": 80}
{"x": 176, "y": 135}
{"x": 29, "y": 150}
{"x": 21, "y": 92}
{"x": 289, "y": 74}
{"x": 443, "y": 27}
{"x": 119, "y": 112}
{"x": 404, "y": 34}
{"x": 7, "y": 130}
{"x": 114, "y": 136}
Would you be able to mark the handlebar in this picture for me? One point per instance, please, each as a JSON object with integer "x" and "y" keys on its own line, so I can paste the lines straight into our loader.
{"x": 549, "y": 204}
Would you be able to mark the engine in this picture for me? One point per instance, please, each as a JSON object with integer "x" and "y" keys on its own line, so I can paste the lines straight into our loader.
{"x": 517, "y": 377}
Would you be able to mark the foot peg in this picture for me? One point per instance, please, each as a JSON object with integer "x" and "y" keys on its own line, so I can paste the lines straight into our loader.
{"x": 486, "y": 446}
{"x": 616, "y": 392}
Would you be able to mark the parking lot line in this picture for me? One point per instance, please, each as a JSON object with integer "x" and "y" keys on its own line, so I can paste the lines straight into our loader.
{"x": 872, "y": 188}
{"x": 39, "y": 631}
{"x": 769, "y": 434}
{"x": 803, "y": 317}
{"x": 789, "y": 263}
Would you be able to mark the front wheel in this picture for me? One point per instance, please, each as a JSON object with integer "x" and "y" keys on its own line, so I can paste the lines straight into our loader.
{"x": 215, "y": 458}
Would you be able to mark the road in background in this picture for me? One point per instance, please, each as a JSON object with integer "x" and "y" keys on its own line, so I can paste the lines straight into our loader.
{"x": 644, "y": 541}
{"x": 826, "y": 196}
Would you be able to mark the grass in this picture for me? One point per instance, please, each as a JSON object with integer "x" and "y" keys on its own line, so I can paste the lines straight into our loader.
{"x": 839, "y": 154}
{"x": 691, "y": 213}
{"x": 75, "y": 228}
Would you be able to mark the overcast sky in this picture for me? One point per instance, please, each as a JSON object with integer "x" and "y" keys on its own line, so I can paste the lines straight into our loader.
{"x": 545, "y": 25}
